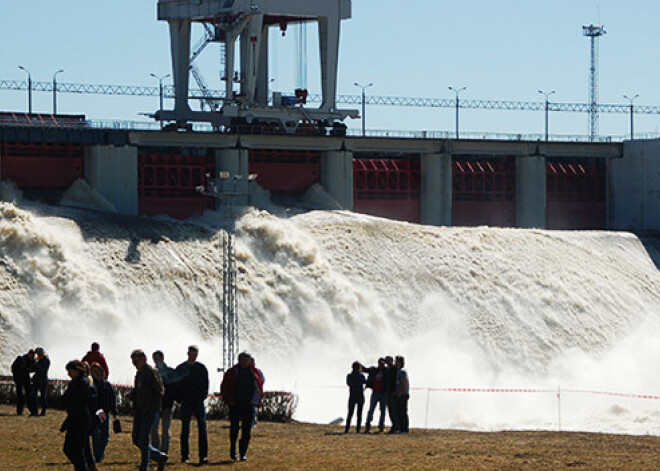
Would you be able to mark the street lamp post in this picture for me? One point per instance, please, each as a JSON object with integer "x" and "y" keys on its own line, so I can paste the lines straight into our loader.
{"x": 457, "y": 91}
{"x": 55, "y": 90}
{"x": 160, "y": 89}
{"x": 547, "y": 106}
{"x": 364, "y": 95}
{"x": 632, "y": 114}
{"x": 29, "y": 87}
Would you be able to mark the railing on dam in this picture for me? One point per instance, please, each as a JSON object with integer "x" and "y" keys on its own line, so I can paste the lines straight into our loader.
{"x": 49, "y": 121}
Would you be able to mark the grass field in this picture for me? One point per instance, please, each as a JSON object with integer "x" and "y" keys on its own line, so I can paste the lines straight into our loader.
{"x": 34, "y": 443}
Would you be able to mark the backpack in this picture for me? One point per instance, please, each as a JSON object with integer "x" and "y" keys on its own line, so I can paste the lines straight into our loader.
{"x": 18, "y": 366}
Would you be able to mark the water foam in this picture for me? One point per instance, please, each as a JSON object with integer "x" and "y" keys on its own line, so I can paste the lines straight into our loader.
{"x": 475, "y": 307}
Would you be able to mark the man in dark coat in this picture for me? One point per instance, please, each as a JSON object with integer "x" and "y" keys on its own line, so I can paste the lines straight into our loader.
{"x": 355, "y": 381}
{"x": 240, "y": 385}
{"x": 193, "y": 390}
{"x": 39, "y": 384}
{"x": 390, "y": 392}
{"x": 20, "y": 370}
{"x": 78, "y": 420}
{"x": 106, "y": 401}
{"x": 147, "y": 397}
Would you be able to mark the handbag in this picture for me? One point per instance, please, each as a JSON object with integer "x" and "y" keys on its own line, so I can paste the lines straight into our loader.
{"x": 116, "y": 426}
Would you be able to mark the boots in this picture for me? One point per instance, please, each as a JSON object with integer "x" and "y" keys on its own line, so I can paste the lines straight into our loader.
{"x": 367, "y": 428}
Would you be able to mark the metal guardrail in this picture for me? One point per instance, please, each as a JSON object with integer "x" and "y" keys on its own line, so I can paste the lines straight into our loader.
{"x": 127, "y": 125}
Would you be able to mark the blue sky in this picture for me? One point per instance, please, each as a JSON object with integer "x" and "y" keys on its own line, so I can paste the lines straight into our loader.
{"x": 499, "y": 50}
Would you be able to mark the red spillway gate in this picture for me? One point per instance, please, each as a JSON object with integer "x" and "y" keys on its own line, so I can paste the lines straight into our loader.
{"x": 42, "y": 165}
{"x": 286, "y": 170}
{"x": 167, "y": 182}
{"x": 576, "y": 194}
{"x": 484, "y": 192}
{"x": 388, "y": 188}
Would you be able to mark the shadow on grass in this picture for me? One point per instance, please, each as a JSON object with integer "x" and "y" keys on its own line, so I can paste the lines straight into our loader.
{"x": 106, "y": 463}
{"x": 219, "y": 463}
{"x": 334, "y": 434}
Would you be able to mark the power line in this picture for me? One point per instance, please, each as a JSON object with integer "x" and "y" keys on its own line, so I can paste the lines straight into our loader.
{"x": 394, "y": 101}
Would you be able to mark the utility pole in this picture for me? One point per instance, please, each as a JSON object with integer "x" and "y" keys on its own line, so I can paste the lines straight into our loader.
{"x": 547, "y": 105}
{"x": 593, "y": 32}
{"x": 231, "y": 193}
{"x": 457, "y": 91}
{"x": 55, "y": 90}
{"x": 29, "y": 87}
{"x": 364, "y": 100}
{"x": 632, "y": 115}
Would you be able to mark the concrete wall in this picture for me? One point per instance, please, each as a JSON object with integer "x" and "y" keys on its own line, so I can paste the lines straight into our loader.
{"x": 531, "y": 195}
{"x": 436, "y": 189}
{"x": 634, "y": 187}
{"x": 113, "y": 172}
{"x": 337, "y": 176}
{"x": 234, "y": 161}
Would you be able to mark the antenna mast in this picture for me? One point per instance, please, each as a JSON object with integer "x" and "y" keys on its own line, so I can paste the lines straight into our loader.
{"x": 593, "y": 32}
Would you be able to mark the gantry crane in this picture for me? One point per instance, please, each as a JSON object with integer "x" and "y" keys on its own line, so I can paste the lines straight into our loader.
{"x": 248, "y": 22}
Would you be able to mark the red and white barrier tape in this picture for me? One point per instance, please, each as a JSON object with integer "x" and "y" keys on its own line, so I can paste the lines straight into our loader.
{"x": 555, "y": 391}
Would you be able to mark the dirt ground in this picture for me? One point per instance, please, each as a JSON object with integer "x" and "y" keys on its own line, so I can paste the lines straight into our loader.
{"x": 34, "y": 443}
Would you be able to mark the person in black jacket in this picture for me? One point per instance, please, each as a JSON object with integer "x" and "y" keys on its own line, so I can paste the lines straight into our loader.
{"x": 107, "y": 402}
{"x": 355, "y": 381}
{"x": 39, "y": 382}
{"x": 390, "y": 392}
{"x": 78, "y": 421}
{"x": 194, "y": 388}
{"x": 162, "y": 440}
{"x": 147, "y": 398}
{"x": 20, "y": 370}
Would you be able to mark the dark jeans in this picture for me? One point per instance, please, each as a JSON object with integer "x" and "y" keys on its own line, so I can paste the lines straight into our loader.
{"x": 187, "y": 411}
{"x": 391, "y": 408}
{"x": 243, "y": 413}
{"x": 22, "y": 395}
{"x": 377, "y": 398}
{"x": 40, "y": 389}
{"x": 142, "y": 424}
{"x": 74, "y": 447}
{"x": 100, "y": 439}
{"x": 352, "y": 402}
{"x": 402, "y": 412}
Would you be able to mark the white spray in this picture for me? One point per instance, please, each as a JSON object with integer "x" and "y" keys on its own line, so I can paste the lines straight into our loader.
{"x": 479, "y": 308}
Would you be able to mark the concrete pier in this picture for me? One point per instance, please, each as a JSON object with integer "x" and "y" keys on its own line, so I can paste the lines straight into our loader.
{"x": 634, "y": 187}
{"x": 233, "y": 161}
{"x": 337, "y": 176}
{"x": 530, "y": 192}
{"x": 113, "y": 172}
{"x": 436, "y": 189}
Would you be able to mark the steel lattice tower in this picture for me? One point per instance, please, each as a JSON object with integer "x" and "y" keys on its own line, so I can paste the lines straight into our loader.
{"x": 231, "y": 193}
{"x": 593, "y": 32}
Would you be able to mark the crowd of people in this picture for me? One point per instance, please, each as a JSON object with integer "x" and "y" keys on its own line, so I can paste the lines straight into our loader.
{"x": 390, "y": 391}
{"x": 90, "y": 400}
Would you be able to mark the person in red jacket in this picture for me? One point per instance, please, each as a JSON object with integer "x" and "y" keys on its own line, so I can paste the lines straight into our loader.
{"x": 240, "y": 385}
{"x": 95, "y": 356}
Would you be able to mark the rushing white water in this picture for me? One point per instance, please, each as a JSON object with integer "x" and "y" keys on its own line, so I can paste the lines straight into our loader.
{"x": 467, "y": 307}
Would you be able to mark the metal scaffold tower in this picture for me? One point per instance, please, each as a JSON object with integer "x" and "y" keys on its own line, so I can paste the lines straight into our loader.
{"x": 231, "y": 193}
{"x": 593, "y": 32}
